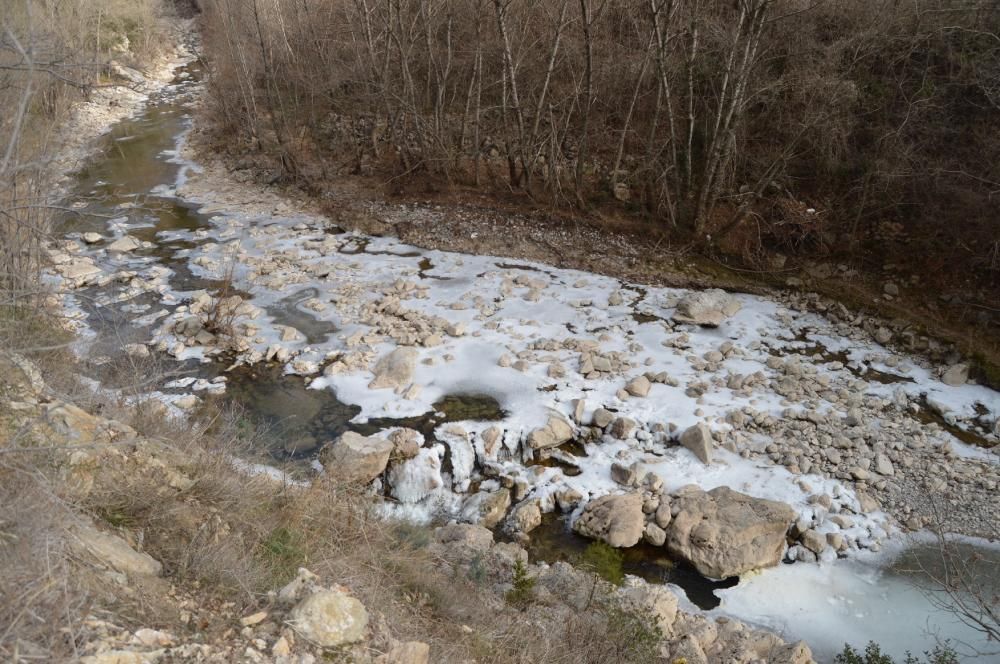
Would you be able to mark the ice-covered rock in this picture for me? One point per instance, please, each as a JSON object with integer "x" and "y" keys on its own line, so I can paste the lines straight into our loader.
{"x": 415, "y": 478}
{"x": 463, "y": 456}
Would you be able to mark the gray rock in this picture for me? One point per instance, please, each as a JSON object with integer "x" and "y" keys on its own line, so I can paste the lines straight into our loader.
{"x": 867, "y": 503}
{"x": 883, "y": 466}
{"x": 813, "y": 541}
{"x": 526, "y": 516}
{"x": 655, "y": 602}
{"x": 654, "y": 535}
{"x": 410, "y": 652}
{"x": 664, "y": 513}
{"x": 624, "y": 475}
{"x": 622, "y": 428}
{"x": 486, "y": 508}
{"x": 116, "y": 553}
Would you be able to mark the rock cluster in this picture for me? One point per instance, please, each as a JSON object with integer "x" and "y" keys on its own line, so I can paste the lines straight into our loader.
{"x": 722, "y": 533}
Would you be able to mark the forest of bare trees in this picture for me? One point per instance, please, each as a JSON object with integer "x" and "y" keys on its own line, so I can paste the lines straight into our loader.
{"x": 52, "y": 54}
{"x": 809, "y": 124}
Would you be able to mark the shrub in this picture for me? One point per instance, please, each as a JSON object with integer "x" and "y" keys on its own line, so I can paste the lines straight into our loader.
{"x": 637, "y": 635}
{"x": 873, "y": 655}
{"x": 605, "y": 561}
{"x": 524, "y": 587}
{"x": 283, "y": 550}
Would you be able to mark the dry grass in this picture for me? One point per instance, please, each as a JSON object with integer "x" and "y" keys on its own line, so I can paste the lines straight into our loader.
{"x": 39, "y": 591}
{"x": 229, "y": 539}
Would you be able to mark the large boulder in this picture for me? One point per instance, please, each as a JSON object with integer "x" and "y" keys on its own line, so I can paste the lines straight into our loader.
{"x": 617, "y": 520}
{"x": 395, "y": 370}
{"x": 555, "y": 432}
{"x": 357, "y": 458}
{"x": 708, "y": 308}
{"x": 724, "y": 533}
{"x": 330, "y": 618}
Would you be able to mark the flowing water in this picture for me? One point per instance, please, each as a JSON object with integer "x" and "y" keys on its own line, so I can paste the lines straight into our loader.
{"x": 131, "y": 182}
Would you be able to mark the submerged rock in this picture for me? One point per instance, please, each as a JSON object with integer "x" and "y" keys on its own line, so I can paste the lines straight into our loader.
{"x": 124, "y": 244}
{"x": 724, "y": 533}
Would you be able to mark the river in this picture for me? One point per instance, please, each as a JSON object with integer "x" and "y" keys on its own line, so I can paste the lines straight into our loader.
{"x": 328, "y": 286}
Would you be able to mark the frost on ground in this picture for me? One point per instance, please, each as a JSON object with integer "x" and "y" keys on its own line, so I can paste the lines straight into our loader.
{"x": 607, "y": 387}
